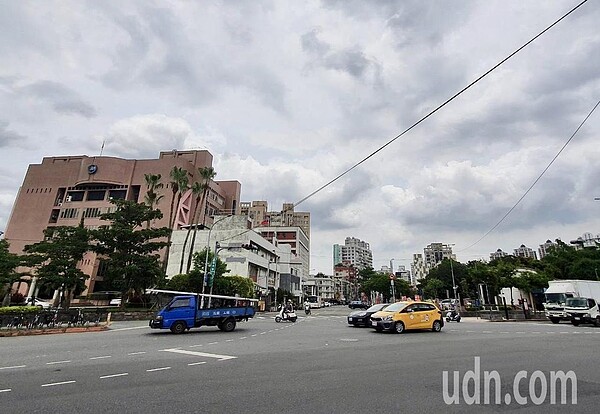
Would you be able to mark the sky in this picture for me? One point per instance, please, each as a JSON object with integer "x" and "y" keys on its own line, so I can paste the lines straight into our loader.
{"x": 287, "y": 95}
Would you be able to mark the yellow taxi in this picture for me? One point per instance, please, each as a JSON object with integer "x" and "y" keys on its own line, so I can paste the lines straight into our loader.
{"x": 401, "y": 316}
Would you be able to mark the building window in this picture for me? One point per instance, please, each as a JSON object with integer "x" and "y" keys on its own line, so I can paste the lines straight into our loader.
{"x": 91, "y": 212}
{"x": 97, "y": 195}
{"x": 69, "y": 213}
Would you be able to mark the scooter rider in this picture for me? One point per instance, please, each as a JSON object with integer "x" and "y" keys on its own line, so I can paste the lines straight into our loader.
{"x": 307, "y": 307}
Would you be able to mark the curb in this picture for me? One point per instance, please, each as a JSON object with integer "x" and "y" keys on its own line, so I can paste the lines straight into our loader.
{"x": 50, "y": 331}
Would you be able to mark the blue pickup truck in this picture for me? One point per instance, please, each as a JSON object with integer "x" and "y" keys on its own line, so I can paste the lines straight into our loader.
{"x": 191, "y": 310}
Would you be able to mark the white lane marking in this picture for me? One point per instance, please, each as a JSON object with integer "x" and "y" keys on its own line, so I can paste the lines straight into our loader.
{"x": 6, "y": 390}
{"x": 254, "y": 334}
{"x": 137, "y": 353}
{"x": 202, "y": 354}
{"x": 58, "y": 362}
{"x": 194, "y": 346}
{"x": 128, "y": 329}
{"x": 212, "y": 343}
{"x": 262, "y": 333}
{"x": 114, "y": 375}
{"x": 197, "y": 363}
{"x": 57, "y": 383}
{"x": 157, "y": 369}
{"x": 13, "y": 367}
{"x": 229, "y": 340}
{"x": 244, "y": 337}
{"x": 102, "y": 357}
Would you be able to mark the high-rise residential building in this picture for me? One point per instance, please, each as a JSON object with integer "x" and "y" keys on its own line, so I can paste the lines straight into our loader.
{"x": 64, "y": 191}
{"x": 354, "y": 252}
{"x": 545, "y": 248}
{"x": 435, "y": 253}
{"x": 258, "y": 213}
{"x": 524, "y": 251}
{"x": 349, "y": 277}
{"x": 498, "y": 254}
{"x": 418, "y": 269}
{"x": 586, "y": 240}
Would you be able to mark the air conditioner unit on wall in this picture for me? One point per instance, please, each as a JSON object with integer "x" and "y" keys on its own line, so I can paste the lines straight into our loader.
{"x": 68, "y": 199}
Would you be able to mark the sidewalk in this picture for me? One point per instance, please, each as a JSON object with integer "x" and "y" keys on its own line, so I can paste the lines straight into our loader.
{"x": 49, "y": 331}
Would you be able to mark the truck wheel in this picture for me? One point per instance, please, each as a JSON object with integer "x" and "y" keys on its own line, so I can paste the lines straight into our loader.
{"x": 228, "y": 325}
{"x": 178, "y": 327}
{"x": 554, "y": 320}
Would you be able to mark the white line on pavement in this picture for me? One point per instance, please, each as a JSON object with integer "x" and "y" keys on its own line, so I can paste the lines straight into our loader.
{"x": 57, "y": 383}
{"x": 114, "y": 375}
{"x": 157, "y": 369}
{"x": 14, "y": 366}
{"x": 128, "y": 329}
{"x": 6, "y": 390}
{"x": 229, "y": 340}
{"x": 102, "y": 357}
{"x": 137, "y": 353}
{"x": 254, "y": 334}
{"x": 58, "y": 362}
{"x": 195, "y": 346}
{"x": 202, "y": 354}
{"x": 197, "y": 363}
{"x": 212, "y": 343}
{"x": 244, "y": 337}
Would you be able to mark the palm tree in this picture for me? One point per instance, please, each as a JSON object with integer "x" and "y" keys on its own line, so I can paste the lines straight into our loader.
{"x": 179, "y": 184}
{"x": 207, "y": 174}
{"x": 197, "y": 190}
{"x": 152, "y": 198}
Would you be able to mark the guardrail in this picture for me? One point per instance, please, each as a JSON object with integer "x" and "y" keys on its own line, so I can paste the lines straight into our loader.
{"x": 49, "y": 319}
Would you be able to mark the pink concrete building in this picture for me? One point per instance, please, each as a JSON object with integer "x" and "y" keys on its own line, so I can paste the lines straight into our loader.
{"x": 61, "y": 191}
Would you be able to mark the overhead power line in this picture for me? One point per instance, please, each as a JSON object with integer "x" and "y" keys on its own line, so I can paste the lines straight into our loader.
{"x": 536, "y": 180}
{"x": 447, "y": 101}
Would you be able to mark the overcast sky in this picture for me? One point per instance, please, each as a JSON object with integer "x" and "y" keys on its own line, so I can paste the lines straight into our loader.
{"x": 286, "y": 95}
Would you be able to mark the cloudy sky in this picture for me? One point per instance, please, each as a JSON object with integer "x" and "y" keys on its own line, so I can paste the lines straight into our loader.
{"x": 287, "y": 95}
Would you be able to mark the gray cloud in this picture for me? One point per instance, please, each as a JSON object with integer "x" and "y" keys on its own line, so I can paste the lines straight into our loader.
{"x": 8, "y": 137}
{"x": 62, "y": 99}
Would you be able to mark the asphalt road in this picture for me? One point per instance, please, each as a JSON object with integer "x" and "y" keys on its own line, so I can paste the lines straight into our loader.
{"x": 316, "y": 365}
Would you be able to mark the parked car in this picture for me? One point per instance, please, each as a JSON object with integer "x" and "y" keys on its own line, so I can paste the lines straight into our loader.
{"x": 39, "y": 303}
{"x": 115, "y": 302}
{"x": 400, "y": 316}
{"x": 363, "y": 317}
{"x": 448, "y": 304}
{"x": 358, "y": 304}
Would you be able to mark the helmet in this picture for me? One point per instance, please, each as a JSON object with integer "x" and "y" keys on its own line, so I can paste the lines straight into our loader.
{"x": 289, "y": 301}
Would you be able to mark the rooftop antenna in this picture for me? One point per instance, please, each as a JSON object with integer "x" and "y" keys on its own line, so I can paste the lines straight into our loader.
{"x": 102, "y": 148}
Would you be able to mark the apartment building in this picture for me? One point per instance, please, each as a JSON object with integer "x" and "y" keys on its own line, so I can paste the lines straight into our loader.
{"x": 354, "y": 252}
{"x": 258, "y": 213}
{"x": 524, "y": 251}
{"x": 498, "y": 254}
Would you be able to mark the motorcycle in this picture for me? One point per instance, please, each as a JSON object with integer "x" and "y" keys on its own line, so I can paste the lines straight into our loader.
{"x": 286, "y": 316}
{"x": 307, "y": 309}
{"x": 452, "y": 316}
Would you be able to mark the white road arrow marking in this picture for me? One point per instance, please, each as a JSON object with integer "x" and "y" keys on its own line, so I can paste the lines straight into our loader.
{"x": 201, "y": 354}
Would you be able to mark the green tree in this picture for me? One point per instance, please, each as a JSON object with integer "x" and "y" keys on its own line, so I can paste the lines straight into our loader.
{"x": 8, "y": 274}
{"x": 432, "y": 287}
{"x": 234, "y": 285}
{"x": 58, "y": 254}
{"x": 133, "y": 263}
{"x": 179, "y": 185}
{"x": 152, "y": 198}
{"x": 207, "y": 174}
{"x": 197, "y": 191}
{"x": 380, "y": 283}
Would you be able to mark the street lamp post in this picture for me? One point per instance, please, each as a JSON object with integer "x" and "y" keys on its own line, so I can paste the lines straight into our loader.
{"x": 206, "y": 258}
